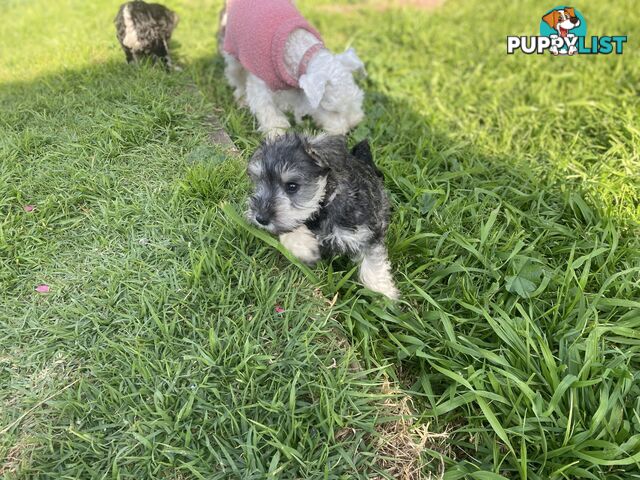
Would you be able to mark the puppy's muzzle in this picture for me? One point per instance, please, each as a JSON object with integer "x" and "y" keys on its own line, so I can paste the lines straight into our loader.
{"x": 262, "y": 220}
{"x": 260, "y": 210}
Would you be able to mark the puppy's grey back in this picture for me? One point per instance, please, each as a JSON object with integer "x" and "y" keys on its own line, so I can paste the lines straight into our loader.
{"x": 360, "y": 195}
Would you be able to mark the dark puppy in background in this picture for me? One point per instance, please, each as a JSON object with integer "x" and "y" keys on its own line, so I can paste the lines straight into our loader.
{"x": 322, "y": 199}
{"x": 144, "y": 29}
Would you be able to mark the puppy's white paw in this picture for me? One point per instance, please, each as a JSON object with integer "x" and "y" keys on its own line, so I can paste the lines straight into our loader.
{"x": 375, "y": 272}
{"x": 303, "y": 244}
{"x": 276, "y": 132}
{"x": 382, "y": 284}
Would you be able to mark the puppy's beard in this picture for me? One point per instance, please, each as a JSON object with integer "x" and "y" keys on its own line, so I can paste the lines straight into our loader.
{"x": 339, "y": 122}
{"x": 309, "y": 207}
{"x": 341, "y": 109}
{"x": 289, "y": 215}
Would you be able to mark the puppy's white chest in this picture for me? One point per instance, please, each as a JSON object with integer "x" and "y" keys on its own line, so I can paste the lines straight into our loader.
{"x": 130, "y": 39}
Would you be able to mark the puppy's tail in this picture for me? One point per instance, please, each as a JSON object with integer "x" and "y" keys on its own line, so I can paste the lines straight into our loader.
{"x": 362, "y": 151}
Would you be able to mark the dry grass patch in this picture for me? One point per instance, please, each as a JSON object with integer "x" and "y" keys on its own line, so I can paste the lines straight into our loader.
{"x": 400, "y": 443}
{"x": 11, "y": 461}
{"x": 33, "y": 386}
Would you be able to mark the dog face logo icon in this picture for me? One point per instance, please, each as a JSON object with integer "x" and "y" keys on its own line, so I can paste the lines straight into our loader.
{"x": 562, "y": 20}
{"x": 566, "y": 24}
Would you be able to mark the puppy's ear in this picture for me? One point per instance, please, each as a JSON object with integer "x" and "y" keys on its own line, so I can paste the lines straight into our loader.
{"x": 254, "y": 166}
{"x": 313, "y": 86}
{"x": 570, "y": 11}
{"x": 552, "y": 18}
{"x": 362, "y": 152}
{"x": 351, "y": 61}
{"x": 324, "y": 148}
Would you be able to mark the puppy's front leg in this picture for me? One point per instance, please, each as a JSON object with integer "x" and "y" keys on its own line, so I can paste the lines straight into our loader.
{"x": 272, "y": 120}
{"x": 375, "y": 271}
{"x": 128, "y": 54}
{"x": 303, "y": 244}
{"x": 236, "y": 76}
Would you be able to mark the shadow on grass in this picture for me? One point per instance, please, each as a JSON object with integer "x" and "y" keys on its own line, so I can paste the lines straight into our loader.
{"x": 159, "y": 351}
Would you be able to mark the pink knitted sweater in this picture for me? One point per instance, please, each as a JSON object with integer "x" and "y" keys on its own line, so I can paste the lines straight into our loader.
{"x": 256, "y": 34}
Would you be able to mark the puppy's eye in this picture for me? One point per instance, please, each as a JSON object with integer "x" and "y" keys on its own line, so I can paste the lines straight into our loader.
{"x": 291, "y": 187}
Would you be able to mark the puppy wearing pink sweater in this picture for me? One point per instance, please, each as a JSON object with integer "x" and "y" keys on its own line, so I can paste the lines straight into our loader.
{"x": 277, "y": 62}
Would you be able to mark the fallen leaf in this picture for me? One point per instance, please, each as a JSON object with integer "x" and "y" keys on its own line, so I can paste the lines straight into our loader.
{"x": 428, "y": 202}
{"x": 526, "y": 278}
{"x": 279, "y": 309}
{"x": 29, "y": 208}
{"x": 43, "y": 288}
{"x": 520, "y": 285}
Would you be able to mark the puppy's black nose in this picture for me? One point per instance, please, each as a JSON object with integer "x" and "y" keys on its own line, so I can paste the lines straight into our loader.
{"x": 262, "y": 220}
{"x": 574, "y": 20}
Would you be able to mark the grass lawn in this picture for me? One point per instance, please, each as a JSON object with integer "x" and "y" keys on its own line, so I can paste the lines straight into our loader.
{"x": 175, "y": 344}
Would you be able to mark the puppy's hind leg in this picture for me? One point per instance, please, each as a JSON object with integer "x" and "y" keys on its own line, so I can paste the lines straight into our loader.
{"x": 272, "y": 120}
{"x": 375, "y": 271}
{"x": 303, "y": 244}
{"x": 161, "y": 52}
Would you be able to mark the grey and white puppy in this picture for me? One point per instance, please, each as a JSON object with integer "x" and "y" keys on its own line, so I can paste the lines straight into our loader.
{"x": 144, "y": 29}
{"x": 322, "y": 199}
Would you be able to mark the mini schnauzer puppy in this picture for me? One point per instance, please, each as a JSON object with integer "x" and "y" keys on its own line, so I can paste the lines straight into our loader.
{"x": 277, "y": 62}
{"x": 144, "y": 29}
{"x": 323, "y": 200}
